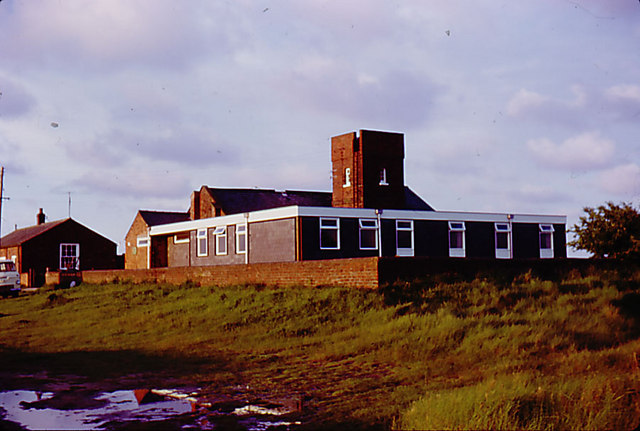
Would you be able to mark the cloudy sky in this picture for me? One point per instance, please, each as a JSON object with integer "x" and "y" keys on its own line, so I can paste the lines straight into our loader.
{"x": 507, "y": 106}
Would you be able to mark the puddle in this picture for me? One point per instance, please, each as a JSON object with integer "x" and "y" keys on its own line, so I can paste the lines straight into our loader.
{"x": 29, "y": 409}
{"x": 78, "y": 410}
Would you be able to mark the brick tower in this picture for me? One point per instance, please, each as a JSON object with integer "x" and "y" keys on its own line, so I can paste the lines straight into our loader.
{"x": 368, "y": 170}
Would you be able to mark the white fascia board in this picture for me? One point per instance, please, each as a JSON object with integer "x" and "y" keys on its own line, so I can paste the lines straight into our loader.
{"x": 256, "y": 216}
{"x": 296, "y": 211}
{"x": 430, "y": 215}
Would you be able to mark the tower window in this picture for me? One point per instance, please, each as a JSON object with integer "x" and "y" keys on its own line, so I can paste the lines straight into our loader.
{"x": 383, "y": 177}
{"x": 347, "y": 177}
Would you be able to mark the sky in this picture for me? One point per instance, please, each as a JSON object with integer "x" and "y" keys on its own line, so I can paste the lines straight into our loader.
{"x": 528, "y": 106}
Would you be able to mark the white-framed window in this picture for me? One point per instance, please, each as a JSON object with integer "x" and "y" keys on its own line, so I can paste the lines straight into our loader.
{"x": 383, "y": 177}
{"x": 503, "y": 240}
{"x": 241, "y": 238}
{"x": 404, "y": 238}
{"x": 368, "y": 234}
{"x": 70, "y": 256}
{"x": 329, "y": 233}
{"x": 181, "y": 238}
{"x": 546, "y": 241}
{"x": 220, "y": 234}
{"x": 457, "y": 246}
{"x": 202, "y": 243}
{"x": 142, "y": 241}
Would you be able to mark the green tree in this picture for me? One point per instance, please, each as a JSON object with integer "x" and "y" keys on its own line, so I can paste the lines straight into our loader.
{"x": 610, "y": 230}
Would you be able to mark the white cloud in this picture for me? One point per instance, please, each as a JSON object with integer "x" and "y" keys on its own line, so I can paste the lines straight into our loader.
{"x": 586, "y": 151}
{"x": 622, "y": 180}
{"x": 624, "y": 92}
{"x": 531, "y": 105}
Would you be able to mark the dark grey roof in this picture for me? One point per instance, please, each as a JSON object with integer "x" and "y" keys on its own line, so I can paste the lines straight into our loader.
{"x": 415, "y": 202}
{"x": 235, "y": 201}
{"x": 20, "y": 236}
{"x": 154, "y": 218}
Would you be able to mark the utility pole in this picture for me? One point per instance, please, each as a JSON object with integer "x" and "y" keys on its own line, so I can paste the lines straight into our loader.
{"x": 2, "y": 198}
{"x": 1, "y": 187}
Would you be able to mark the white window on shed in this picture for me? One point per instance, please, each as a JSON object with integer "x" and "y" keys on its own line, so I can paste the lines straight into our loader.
{"x": 202, "y": 243}
{"x": 70, "y": 256}
{"x": 546, "y": 241}
{"x": 457, "y": 239}
{"x": 220, "y": 234}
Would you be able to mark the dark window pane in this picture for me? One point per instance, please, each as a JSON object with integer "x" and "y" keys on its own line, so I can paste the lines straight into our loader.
{"x": 545, "y": 240}
{"x": 404, "y": 239}
{"x": 368, "y": 238}
{"x": 329, "y": 238}
{"x": 502, "y": 240}
{"x": 455, "y": 239}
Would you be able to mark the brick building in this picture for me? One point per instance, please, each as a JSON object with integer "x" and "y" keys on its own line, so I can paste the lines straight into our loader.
{"x": 61, "y": 245}
{"x": 370, "y": 212}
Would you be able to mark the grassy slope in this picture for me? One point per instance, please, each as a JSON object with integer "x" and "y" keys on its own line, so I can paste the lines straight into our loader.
{"x": 429, "y": 354}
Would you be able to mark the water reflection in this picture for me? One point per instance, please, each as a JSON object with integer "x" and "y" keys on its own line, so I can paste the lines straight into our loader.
{"x": 85, "y": 410}
{"x": 34, "y": 410}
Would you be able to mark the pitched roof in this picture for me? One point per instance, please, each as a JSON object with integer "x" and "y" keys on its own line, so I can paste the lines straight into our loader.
{"x": 154, "y": 218}
{"x": 235, "y": 201}
{"x": 415, "y": 202}
{"x": 20, "y": 236}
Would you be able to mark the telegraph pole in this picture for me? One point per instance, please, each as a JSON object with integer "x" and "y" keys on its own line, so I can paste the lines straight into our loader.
{"x": 2, "y": 198}
{"x": 1, "y": 187}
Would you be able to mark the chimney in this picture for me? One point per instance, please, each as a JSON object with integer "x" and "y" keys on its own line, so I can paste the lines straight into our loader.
{"x": 194, "y": 210}
{"x": 40, "y": 217}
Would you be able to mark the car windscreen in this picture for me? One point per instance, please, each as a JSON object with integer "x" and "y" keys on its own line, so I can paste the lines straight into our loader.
{"x": 7, "y": 266}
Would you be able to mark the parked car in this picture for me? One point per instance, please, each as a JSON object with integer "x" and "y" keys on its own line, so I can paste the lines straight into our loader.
{"x": 9, "y": 278}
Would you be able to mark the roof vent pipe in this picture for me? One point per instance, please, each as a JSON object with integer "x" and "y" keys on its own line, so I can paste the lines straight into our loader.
{"x": 40, "y": 217}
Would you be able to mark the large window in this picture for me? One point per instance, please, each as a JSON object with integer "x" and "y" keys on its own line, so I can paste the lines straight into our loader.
{"x": 404, "y": 237}
{"x": 329, "y": 233}
{"x": 368, "y": 234}
{"x": 241, "y": 238}
{"x": 503, "y": 240}
{"x": 203, "y": 242}
{"x": 546, "y": 241}
{"x": 457, "y": 239}
{"x": 70, "y": 256}
{"x": 220, "y": 234}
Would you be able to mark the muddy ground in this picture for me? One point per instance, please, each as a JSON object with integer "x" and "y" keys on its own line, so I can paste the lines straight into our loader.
{"x": 76, "y": 378}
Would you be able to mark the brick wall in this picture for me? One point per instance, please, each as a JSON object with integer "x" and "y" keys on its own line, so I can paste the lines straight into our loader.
{"x": 358, "y": 273}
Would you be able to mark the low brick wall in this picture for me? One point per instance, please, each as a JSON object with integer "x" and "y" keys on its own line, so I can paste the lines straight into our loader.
{"x": 366, "y": 272}
{"x": 358, "y": 273}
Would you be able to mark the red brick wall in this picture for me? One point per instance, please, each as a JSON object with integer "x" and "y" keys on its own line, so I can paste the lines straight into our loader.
{"x": 359, "y": 273}
{"x": 135, "y": 257}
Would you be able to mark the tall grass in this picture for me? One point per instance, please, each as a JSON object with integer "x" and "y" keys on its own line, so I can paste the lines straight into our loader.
{"x": 429, "y": 354}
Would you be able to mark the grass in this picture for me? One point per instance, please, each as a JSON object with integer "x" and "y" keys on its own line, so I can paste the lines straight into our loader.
{"x": 429, "y": 354}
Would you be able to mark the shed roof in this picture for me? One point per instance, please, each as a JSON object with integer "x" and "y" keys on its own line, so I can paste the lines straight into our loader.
{"x": 20, "y": 236}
